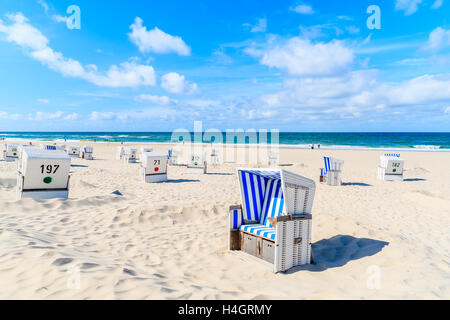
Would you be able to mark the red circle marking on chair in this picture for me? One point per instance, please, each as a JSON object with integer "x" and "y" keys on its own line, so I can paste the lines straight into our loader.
{"x": 156, "y": 168}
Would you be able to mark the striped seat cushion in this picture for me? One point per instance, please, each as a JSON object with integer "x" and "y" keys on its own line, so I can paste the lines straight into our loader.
{"x": 259, "y": 230}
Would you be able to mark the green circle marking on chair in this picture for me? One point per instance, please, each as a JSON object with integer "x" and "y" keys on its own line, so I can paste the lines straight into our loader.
{"x": 47, "y": 180}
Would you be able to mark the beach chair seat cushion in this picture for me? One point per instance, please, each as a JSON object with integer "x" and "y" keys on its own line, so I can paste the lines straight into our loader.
{"x": 272, "y": 206}
{"x": 259, "y": 230}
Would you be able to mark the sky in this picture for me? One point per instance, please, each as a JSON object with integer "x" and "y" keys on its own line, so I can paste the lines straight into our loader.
{"x": 161, "y": 65}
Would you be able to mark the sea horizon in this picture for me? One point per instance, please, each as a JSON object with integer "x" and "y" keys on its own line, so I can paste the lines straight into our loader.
{"x": 418, "y": 141}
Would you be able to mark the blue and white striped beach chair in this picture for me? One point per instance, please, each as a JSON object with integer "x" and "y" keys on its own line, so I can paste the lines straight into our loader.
{"x": 332, "y": 170}
{"x": 87, "y": 153}
{"x": 274, "y": 221}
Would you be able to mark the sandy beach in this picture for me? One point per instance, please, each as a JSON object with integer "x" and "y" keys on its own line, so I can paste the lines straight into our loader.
{"x": 130, "y": 240}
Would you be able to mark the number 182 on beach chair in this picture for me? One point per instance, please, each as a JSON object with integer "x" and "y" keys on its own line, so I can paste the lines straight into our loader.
{"x": 273, "y": 224}
{"x": 391, "y": 167}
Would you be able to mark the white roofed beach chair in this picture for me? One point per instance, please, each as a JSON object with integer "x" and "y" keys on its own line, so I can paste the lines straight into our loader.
{"x": 197, "y": 163}
{"x": 154, "y": 167}
{"x": 173, "y": 155}
{"x": 119, "y": 152}
{"x": 215, "y": 159}
{"x": 43, "y": 174}
{"x": 73, "y": 151}
{"x": 391, "y": 167}
{"x": 87, "y": 153}
{"x": 11, "y": 152}
{"x": 332, "y": 171}
{"x": 144, "y": 150}
{"x": 129, "y": 154}
{"x": 273, "y": 159}
{"x": 274, "y": 221}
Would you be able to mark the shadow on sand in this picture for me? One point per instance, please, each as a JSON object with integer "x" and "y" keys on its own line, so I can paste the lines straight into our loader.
{"x": 181, "y": 180}
{"x": 337, "y": 251}
{"x": 415, "y": 179}
{"x": 79, "y": 166}
{"x": 360, "y": 184}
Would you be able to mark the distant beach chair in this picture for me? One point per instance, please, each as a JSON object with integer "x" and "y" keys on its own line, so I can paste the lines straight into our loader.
{"x": 173, "y": 157}
{"x": 332, "y": 173}
{"x": 145, "y": 150}
{"x": 119, "y": 153}
{"x": 11, "y": 152}
{"x": 274, "y": 221}
{"x": 87, "y": 153}
{"x": 129, "y": 154}
{"x": 53, "y": 147}
{"x": 273, "y": 159}
{"x": 391, "y": 167}
{"x": 43, "y": 174}
{"x": 197, "y": 163}
{"x": 154, "y": 167}
{"x": 215, "y": 159}
{"x": 74, "y": 151}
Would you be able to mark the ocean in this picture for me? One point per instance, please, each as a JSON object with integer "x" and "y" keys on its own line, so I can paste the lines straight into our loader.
{"x": 348, "y": 140}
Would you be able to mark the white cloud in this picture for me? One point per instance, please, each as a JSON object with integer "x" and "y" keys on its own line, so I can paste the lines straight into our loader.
{"x": 300, "y": 57}
{"x": 127, "y": 74}
{"x": 447, "y": 110}
{"x": 261, "y": 26}
{"x": 438, "y": 39}
{"x": 8, "y": 116}
{"x": 156, "y": 40}
{"x": 437, "y": 4}
{"x": 44, "y": 5}
{"x": 59, "y": 18}
{"x": 43, "y": 100}
{"x": 72, "y": 116}
{"x": 408, "y": 6}
{"x": 95, "y": 115}
{"x": 151, "y": 113}
{"x": 199, "y": 103}
{"x": 39, "y": 115}
{"x": 352, "y": 29}
{"x": 303, "y": 9}
{"x": 175, "y": 83}
{"x": 161, "y": 100}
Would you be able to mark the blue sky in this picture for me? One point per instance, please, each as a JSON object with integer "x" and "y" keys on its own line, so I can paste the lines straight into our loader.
{"x": 160, "y": 65}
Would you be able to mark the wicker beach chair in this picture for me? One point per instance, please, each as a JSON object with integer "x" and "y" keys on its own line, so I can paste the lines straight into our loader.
{"x": 173, "y": 155}
{"x": 215, "y": 159}
{"x": 274, "y": 221}
{"x": 87, "y": 153}
{"x": 11, "y": 152}
{"x": 273, "y": 159}
{"x": 197, "y": 163}
{"x": 332, "y": 173}
{"x": 74, "y": 151}
{"x": 129, "y": 155}
{"x": 154, "y": 167}
{"x": 391, "y": 167}
{"x": 43, "y": 174}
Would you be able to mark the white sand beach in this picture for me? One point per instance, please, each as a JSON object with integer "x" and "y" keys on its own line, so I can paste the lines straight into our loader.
{"x": 170, "y": 240}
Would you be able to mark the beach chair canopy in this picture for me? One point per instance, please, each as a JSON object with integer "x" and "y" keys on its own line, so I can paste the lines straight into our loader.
{"x": 269, "y": 193}
{"x": 332, "y": 164}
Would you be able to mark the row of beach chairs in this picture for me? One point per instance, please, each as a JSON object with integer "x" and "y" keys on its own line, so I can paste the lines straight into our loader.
{"x": 272, "y": 224}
